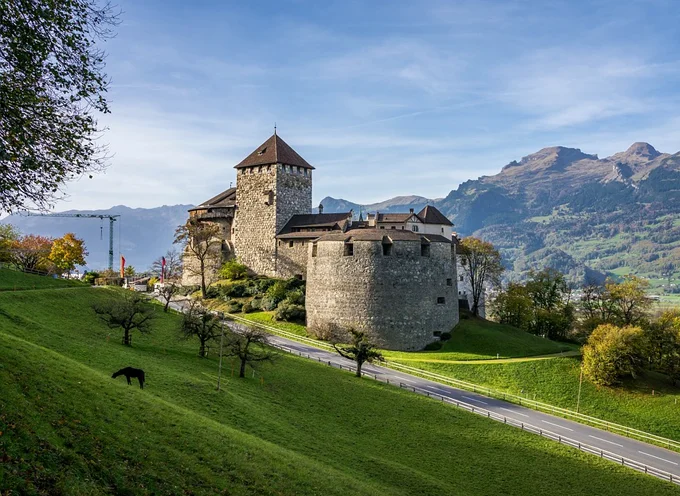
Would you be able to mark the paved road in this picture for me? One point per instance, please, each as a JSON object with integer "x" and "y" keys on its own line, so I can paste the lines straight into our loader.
{"x": 642, "y": 453}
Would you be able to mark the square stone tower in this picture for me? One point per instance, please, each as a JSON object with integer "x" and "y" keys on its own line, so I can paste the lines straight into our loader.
{"x": 272, "y": 184}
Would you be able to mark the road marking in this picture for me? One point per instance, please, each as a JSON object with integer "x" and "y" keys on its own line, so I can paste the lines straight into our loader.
{"x": 657, "y": 457}
{"x": 475, "y": 399}
{"x": 513, "y": 411}
{"x": 557, "y": 425}
{"x": 605, "y": 441}
{"x": 407, "y": 380}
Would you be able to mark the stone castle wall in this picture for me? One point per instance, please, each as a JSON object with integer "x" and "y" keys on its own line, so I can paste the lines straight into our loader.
{"x": 394, "y": 298}
{"x": 268, "y": 196}
{"x": 292, "y": 260}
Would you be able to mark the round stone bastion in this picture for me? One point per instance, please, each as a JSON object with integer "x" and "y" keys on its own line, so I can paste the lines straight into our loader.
{"x": 397, "y": 286}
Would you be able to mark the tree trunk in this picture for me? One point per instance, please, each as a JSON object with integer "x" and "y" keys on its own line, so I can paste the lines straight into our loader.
{"x": 203, "y": 290}
{"x": 242, "y": 371}
{"x": 167, "y": 304}
{"x": 201, "y": 351}
{"x": 359, "y": 364}
{"x": 126, "y": 338}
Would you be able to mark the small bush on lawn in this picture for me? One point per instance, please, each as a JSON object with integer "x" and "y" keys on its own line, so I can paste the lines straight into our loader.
{"x": 212, "y": 292}
{"x": 290, "y": 312}
{"x": 247, "y": 307}
{"x": 236, "y": 291}
{"x": 233, "y": 307}
{"x": 296, "y": 297}
{"x": 256, "y": 303}
{"x": 277, "y": 292}
{"x": 268, "y": 304}
{"x": 90, "y": 277}
{"x": 231, "y": 269}
{"x": 264, "y": 284}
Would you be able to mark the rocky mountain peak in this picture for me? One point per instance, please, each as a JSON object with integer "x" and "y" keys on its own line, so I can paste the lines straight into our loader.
{"x": 642, "y": 149}
{"x": 552, "y": 157}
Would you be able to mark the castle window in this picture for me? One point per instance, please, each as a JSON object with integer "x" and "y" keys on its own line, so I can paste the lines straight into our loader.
{"x": 442, "y": 230}
{"x": 424, "y": 250}
{"x": 449, "y": 282}
{"x": 269, "y": 197}
{"x": 263, "y": 151}
{"x": 393, "y": 227}
{"x": 290, "y": 243}
{"x": 387, "y": 249}
{"x": 349, "y": 250}
{"x": 441, "y": 300}
{"x": 314, "y": 250}
{"x": 402, "y": 228}
{"x": 382, "y": 227}
{"x": 414, "y": 228}
{"x": 461, "y": 278}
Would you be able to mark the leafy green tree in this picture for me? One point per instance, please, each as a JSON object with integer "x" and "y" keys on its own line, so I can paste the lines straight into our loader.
{"x": 202, "y": 324}
{"x": 513, "y": 306}
{"x": 129, "y": 312}
{"x": 553, "y": 313}
{"x": 202, "y": 249}
{"x": 613, "y": 353}
{"x": 51, "y": 85}
{"x": 130, "y": 271}
{"x": 359, "y": 349}
{"x": 663, "y": 344}
{"x": 8, "y": 235}
{"x": 482, "y": 267}
{"x": 629, "y": 299}
{"x": 232, "y": 269}
{"x": 67, "y": 252}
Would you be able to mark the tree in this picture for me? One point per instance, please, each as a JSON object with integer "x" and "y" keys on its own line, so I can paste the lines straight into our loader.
{"x": 360, "y": 349}
{"x": 552, "y": 312}
{"x": 201, "y": 243}
{"x": 167, "y": 292}
{"x": 513, "y": 306}
{"x": 250, "y": 346}
{"x": 31, "y": 253}
{"x": 482, "y": 267}
{"x": 202, "y": 324}
{"x": 130, "y": 271}
{"x": 663, "y": 344}
{"x": 595, "y": 307}
{"x": 629, "y": 299}
{"x": 67, "y": 252}
{"x": 173, "y": 266}
{"x": 51, "y": 85}
{"x": 232, "y": 269}
{"x": 129, "y": 312}
{"x": 613, "y": 353}
{"x": 8, "y": 235}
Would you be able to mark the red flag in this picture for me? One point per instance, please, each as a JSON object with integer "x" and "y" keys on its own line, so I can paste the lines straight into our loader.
{"x": 122, "y": 266}
{"x": 162, "y": 269}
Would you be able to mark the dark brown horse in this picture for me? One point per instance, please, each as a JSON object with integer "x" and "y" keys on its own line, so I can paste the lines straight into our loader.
{"x": 129, "y": 372}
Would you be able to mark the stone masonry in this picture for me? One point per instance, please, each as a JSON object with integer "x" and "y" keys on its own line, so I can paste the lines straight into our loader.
{"x": 403, "y": 299}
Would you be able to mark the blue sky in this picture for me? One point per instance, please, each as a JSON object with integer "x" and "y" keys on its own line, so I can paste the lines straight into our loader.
{"x": 384, "y": 98}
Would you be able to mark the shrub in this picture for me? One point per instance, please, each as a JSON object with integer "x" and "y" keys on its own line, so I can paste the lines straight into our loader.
{"x": 256, "y": 303}
{"x": 613, "y": 353}
{"x": 277, "y": 292}
{"x": 233, "y": 307}
{"x": 290, "y": 312}
{"x": 268, "y": 304}
{"x": 212, "y": 292}
{"x": 247, "y": 307}
{"x": 294, "y": 283}
{"x": 187, "y": 290}
{"x": 90, "y": 277}
{"x": 437, "y": 345}
{"x": 445, "y": 336}
{"x": 264, "y": 284}
{"x": 235, "y": 291}
{"x": 231, "y": 269}
{"x": 296, "y": 297}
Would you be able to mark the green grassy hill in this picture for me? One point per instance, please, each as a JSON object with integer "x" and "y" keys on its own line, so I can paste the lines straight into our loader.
{"x": 12, "y": 280}
{"x": 298, "y": 427}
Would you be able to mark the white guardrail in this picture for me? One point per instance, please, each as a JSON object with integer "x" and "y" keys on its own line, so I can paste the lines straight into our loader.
{"x": 607, "y": 455}
{"x": 468, "y": 386}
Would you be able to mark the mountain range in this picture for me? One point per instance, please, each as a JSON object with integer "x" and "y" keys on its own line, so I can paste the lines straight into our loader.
{"x": 587, "y": 216}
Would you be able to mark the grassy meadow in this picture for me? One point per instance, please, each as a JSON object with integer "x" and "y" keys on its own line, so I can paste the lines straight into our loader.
{"x": 297, "y": 427}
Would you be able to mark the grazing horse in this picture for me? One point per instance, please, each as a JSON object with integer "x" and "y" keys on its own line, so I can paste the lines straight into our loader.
{"x": 130, "y": 372}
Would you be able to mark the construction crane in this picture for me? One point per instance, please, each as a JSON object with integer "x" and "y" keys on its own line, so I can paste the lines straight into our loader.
{"x": 112, "y": 219}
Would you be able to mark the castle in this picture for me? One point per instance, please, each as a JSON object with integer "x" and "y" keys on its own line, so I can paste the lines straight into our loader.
{"x": 392, "y": 275}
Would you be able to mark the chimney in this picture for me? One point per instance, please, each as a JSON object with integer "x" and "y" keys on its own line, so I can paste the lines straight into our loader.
{"x": 410, "y": 210}
{"x": 320, "y": 208}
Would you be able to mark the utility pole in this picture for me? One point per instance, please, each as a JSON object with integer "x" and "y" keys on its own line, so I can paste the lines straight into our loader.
{"x": 580, "y": 383}
{"x": 219, "y": 370}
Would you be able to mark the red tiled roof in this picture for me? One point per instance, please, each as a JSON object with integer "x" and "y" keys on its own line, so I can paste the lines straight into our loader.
{"x": 274, "y": 151}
